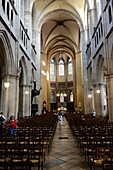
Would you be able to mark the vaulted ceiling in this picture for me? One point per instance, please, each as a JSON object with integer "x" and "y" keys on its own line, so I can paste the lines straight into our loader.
{"x": 61, "y": 22}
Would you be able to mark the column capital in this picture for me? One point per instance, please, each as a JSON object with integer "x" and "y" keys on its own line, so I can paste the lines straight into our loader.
{"x": 108, "y": 76}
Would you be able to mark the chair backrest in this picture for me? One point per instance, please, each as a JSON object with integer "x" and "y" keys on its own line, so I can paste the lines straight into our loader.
{"x": 107, "y": 165}
{"x": 21, "y": 165}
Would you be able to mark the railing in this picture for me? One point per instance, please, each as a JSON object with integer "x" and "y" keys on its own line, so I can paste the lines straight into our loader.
{"x": 24, "y": 36}
{"x": 9, "y": 12}
{"x": 11, "y": 21}
{"x": 97, "y": 37}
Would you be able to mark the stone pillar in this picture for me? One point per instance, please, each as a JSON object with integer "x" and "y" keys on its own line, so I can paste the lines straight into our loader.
{"x": 44, "y": 78}
{"x": 66, "y": 82}
{"x": 84, "y": 61}
{"x": 110, "y": 95}
{"x": 21, "y": 10}
{"x": 48, "y": 85}
{"x": 25, "y": 101}
{"x": 28, "y": 22}
{"x": 97, "y": 102}
{"x": 56, "y": 81}
{"x": 10, "y": 96}
{"x": 91, "y": 21}
{"x": 103, "y": 99}
{"x": 5, "y": 98}
{"x": 79, "y": 79}
{"x": 36, "y": 38}
{"x": 74, "y": 83}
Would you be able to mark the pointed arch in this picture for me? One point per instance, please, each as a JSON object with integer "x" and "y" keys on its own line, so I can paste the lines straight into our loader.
{"x": 99, "y": 69}
{"x": 8, "y": 54}
{"x": 24, "y": 71}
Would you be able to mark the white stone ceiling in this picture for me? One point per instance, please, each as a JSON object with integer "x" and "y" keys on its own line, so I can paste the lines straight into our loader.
{"x": 60, "y": 23}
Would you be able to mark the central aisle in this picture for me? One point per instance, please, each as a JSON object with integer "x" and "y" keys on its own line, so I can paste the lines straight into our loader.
{"x": 64, "y": 153}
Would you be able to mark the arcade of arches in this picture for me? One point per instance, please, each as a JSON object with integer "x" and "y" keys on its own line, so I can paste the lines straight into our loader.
{"x": 63, "y": 46}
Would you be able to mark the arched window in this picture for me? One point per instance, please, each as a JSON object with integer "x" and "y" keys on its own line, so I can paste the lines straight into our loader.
{"x": 52, "y": 67}
{"x": 70, "y": 67}
{"x": 61, "y": 67}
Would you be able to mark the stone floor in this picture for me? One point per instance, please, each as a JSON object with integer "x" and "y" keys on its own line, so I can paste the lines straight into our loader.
{"x": 64, "y": 153}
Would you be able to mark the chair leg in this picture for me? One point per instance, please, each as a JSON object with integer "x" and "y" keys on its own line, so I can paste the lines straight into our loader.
{"x": 42, "y": 166}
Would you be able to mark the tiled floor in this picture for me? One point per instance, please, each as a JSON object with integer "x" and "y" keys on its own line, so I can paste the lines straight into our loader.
{"x": 64, "y": 153}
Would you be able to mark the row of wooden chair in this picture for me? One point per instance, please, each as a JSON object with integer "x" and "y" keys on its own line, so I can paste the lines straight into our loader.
{"x": 94, "y": 137}
{"x": 29, "y": 145}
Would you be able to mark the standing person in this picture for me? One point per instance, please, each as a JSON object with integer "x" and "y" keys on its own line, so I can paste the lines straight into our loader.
{"x": 60, "y": 119}
{"x": 62, "y": 112}
{"x": 12, "y": 125}
{"x": 93, "y": 113}
{"x": 2, "y": 119}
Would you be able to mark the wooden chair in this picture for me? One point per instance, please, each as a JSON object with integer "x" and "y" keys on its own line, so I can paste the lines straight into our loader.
{"x": 107, "y": 165}
{"x": 98, "y": 157}
{"x": 35, "y": 157}
{"x": 20, "y": 165}
{"x": 4, "y": 159}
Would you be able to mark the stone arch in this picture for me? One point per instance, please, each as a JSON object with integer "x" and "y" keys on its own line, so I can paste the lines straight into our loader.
{"x": 90, "y": 80}
{"x": 6, "y": 65}
{"x": 24, "y": 81}
{"x": 24, "y": 71}
{"x": 99, "y": 70}
{"x": 8, "y": 54}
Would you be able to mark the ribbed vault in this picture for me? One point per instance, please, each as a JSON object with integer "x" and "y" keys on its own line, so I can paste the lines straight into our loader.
{"x": 60, "y": 23}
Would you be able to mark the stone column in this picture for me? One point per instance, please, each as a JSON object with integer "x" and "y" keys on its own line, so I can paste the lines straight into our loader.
{"x": 25, "y": 101}
{"x": 28, "y": 22}
{"x": 91, "y": 21}
{"x": 97, "y": 102}
{"x": 103, "y": 99}
{"x": 66, "y": 82}
{"x": 110, "y": 95}
{"x": 74, "y": 83}
{"x": 84, "y": 61}
{"x": 48, "y": 85}
{"x": 36, "y": 38}
{"x": 21, "y": 10}
{"x": 44, "y": 81}
{"x": 10, "y": 96}
{"x": 5, "y": 97}
{"x": 57, "y": 81}
{"x": 79, "y": 79}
